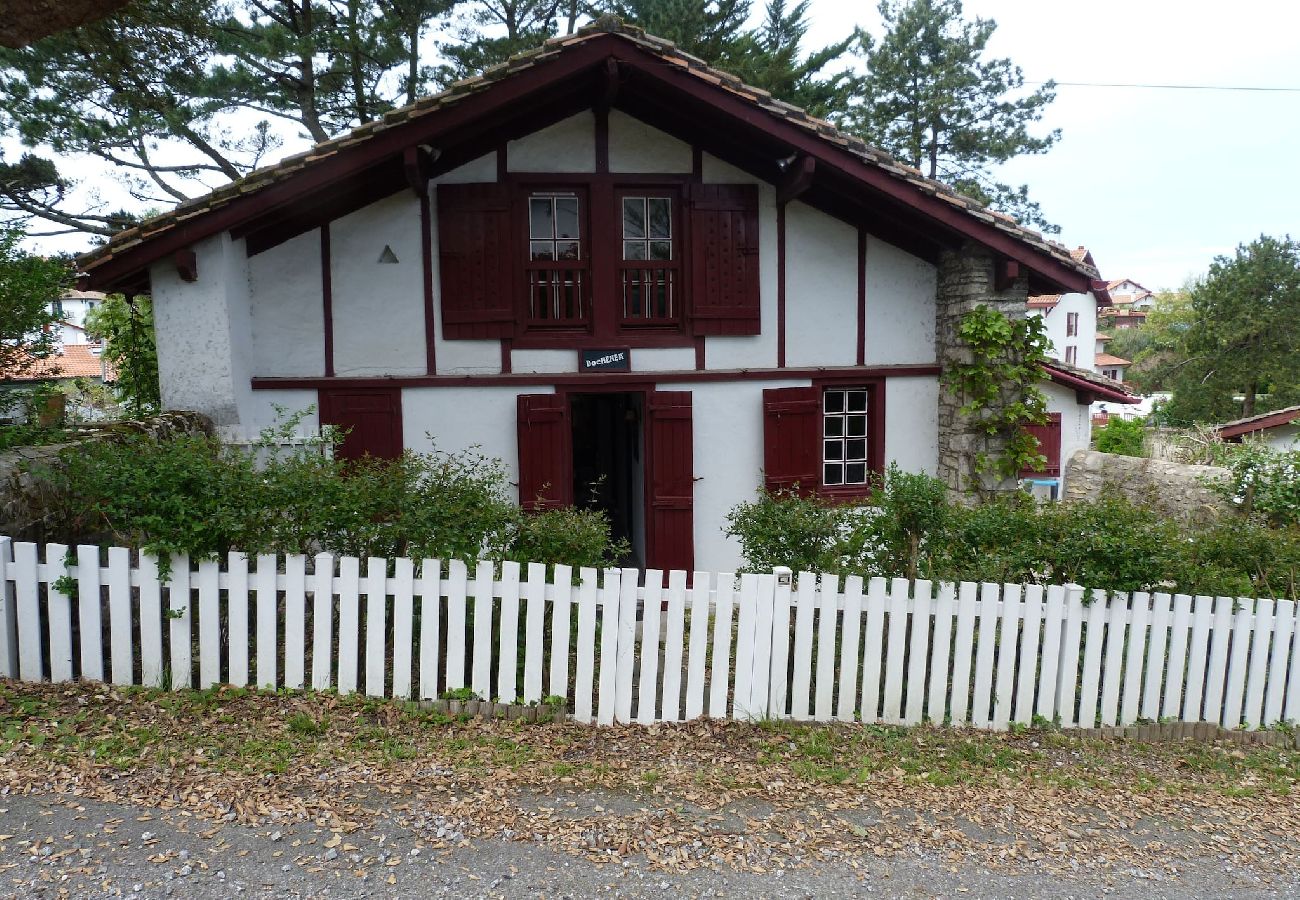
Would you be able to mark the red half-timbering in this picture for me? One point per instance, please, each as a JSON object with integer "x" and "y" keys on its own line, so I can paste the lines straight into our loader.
{"x": 670, "y": 535}
{"x": 372, "y": 418}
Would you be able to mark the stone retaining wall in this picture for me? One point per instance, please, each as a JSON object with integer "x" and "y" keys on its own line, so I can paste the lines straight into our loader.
{"x": 1177, "y": 490}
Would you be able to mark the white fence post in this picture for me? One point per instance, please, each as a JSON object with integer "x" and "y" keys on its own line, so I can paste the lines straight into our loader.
{"x": 8, "y": 612}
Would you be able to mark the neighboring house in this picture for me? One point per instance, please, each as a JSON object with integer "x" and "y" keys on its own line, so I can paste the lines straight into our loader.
{"x": 1280, "y": 429}
{"x": 1070, "y": 320}
{"x": 71, "y": 310}
{"x": 69, "y": 363}
{"x": 618, "y": 270}
{"x": 1113, "y": 367}
{"x": 1129, "y": 304}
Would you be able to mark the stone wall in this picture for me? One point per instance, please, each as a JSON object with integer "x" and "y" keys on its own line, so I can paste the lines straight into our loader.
{"x": 25, "y": 497}
{"x": 966, "y": 280}
{"x": 1177, "y": 490}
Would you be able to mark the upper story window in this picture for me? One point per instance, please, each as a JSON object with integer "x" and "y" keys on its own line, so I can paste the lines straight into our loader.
{"x": 1072, "y": 355}
{"x": 649, "y": 272}
{"x": 557, "y": 269}
{"x": 844, "y": 437}
{"x": 1071, "y": 324}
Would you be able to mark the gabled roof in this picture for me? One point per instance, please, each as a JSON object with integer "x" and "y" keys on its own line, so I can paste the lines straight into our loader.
{"x": 72, "y": 361}
{"x": 1101, "y": 387}
{"x": 606, "y": 44}
{"x": 1107, "y": 359}
{"x": 1261, "y": 422}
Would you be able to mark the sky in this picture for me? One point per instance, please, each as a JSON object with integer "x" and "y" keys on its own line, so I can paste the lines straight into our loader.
{"x": 1155, "y": 182}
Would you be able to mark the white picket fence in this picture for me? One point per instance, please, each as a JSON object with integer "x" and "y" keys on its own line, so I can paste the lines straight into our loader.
{"x": 622, "y": 649}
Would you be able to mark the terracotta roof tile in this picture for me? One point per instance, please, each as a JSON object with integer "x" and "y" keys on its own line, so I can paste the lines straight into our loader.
{"x": 1106, "y": 359}
{"x": 267, "y": 175}
{"x": 74, "y": 361}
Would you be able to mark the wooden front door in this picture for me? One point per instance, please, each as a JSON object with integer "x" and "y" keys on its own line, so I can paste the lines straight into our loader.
{"x": 372, "y": 417}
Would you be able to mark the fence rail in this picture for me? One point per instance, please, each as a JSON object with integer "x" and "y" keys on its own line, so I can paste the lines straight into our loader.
{"x": 619, "y": 645}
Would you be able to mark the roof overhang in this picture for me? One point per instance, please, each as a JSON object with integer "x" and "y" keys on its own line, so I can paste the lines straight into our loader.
{"x": 1097, "y": 386}
{"x": 1259, "y": 423}
{"x": 878, "y": 194}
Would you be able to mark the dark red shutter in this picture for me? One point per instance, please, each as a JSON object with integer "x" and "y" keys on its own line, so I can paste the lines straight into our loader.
{"x": 724, "y": 259}
{"x": 670, "y": 539}
{"x": 476, "y": 259}
{"x": 545, "y": 452}
{"x": 372, "y": 417}
{"x": 1049, "y": 444}
{"x": 791, "y": 439}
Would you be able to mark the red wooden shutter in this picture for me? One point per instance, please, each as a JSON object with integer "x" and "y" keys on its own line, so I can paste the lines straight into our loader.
{"x": 791, "y": 439}
{"x": 477, "y": 260}
{"x": 1049, "y": 444}
{"x": 545, "y": 452}
{"x": 670, "y": 537}
{"x": 372, "y": 416}
{"x": 724, "y": 259}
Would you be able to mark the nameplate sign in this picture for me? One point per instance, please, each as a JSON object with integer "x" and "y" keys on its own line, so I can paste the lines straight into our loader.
{"x": 619, "y": 360}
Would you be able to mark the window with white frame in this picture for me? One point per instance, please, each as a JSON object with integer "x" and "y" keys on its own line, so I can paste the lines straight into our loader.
{"x": 844, "y": 436}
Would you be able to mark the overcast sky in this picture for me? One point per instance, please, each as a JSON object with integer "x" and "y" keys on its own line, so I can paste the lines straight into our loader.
{"x": 1155, "y": 182}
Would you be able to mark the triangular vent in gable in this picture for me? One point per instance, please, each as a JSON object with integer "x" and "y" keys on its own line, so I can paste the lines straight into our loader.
{"x": 388, "y": 256}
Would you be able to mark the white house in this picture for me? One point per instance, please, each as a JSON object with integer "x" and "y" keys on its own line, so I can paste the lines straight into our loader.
{"x": 71, "y": 310}
{"x": 1279, "y": 429}
{"x": 606, "y": 264}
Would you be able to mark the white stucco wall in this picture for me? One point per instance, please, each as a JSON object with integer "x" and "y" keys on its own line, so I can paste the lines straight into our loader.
{"x": 821, "y": 289}
{"x": 567, "y": 146}
{"x": 204, "y": 332}
{"x": 378, "y": 307}
{"x": 1056, "y": 322}
{"x": 288, "y": 316}
{"x": 464, "y": 418}
{"x": 1283, "y": 438}
{"x": 912, "y": 424}
{"x": 900, "y": 306}
{"x": 636, "y": 147}
{"x": 1076, "y": 421}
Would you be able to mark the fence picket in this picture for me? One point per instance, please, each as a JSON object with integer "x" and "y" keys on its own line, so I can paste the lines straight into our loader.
{"x": 918, "y": 655}
{"x": 1049, "y": 669}
{"x": 1137, "y": 645}
{"x": 1265, "y": 622}
{"x": 58, "y": 608}
{"x": 1217, "y": 670}
{"x": 1067, "y": 683}
{"x": 778, "y": 698}
{"x": 151, "y": 645}
{"x": 1008, "y": 650}
{"x": 1157, "y": 644}
{"x": 267, "y": 604}
{"x": 429, "y": 587}
{"x": 209, "y": 584}
{"x": 963, "y": 650}
{"x": 626, "y": 653}
{"x": 827, "y": 622}
{"x": 349, "y": 622}
{"x": 611, "y": 595}
{"x": 1179, "y": 639}
{"x": 376, "y": 624}
{"x": 1291, "y": 712}
{"x": 761, "y": 677}
{"x": 1279, "y": 658}
{"x": 746, "y": 616}
{"x": 8, "y": 611}
{"x": 896, "y": 650}
{"x": 646, "y": 705}
{"x": 481, "y": 661}
{"x": 585, "y": 666}
{"x": 873, "y": 649}
{"x": 985, "y": 646}
{"x": 720, "y": 668}
{"x": 295, "y": 620}
{"x": 322, "y": 621}
{"x": 403, "y": 625}
{"x": 1113, "y": 670}
{"x": 1030, "y": 655}
{"x": 456, "y": 578}
{"x": 1235, "y": 685}
{"x": 940, "y": 648}
{"x": 561, "y": 615}
{"x": 696, "y": 658}
{"x": 1093, "y": 646}
{"x": 674, "y": 635}
{"x": 852, "y": 631}
{"x": 180, "y": 622}
{"x": 534, "y": 631}
{"x": 508, "y": 645}
{"x": 89, "y": 611}
{"x": 121, "y": 645}
{"x": 1197, "y": 658}
{"x": 801, "y": 676}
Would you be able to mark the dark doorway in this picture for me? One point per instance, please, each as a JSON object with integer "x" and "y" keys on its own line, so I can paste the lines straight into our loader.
{"x": 372, "y": 417}
{"x": 609, "y": 463}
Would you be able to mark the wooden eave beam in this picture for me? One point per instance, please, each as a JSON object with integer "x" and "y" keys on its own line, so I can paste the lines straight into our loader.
{"x": 1005, "y": 273}
{"x": 797, "y": 180}
{"x": 415, "y": 166}
{"x": 609, "y": 85}
{"x": 187, "y": 264}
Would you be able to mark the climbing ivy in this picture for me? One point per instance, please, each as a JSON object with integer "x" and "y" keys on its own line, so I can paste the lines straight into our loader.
{"x": 998, "y": 388}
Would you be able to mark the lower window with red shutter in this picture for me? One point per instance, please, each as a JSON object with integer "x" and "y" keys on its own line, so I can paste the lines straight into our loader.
{"x": 371, "y": 417}
{"x": 1049, "y": 444}
{"x": 791, "y": 430}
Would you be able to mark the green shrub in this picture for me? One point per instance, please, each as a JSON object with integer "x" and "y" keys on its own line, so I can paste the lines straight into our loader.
{"x": 786, "y": 529}
{"x": 1263, "y": 482}
{"x": 1125, "y": 437}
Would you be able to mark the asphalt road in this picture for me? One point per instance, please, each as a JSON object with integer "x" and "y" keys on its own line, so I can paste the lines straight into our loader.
{"x": 59, "y": 846}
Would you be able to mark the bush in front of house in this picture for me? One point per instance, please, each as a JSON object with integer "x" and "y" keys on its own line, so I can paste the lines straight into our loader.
{"x": 1125, "y": 437}
{"x": 1264, "y": 482}
{"x": 910, "y": 529}
{"x": 197, "y": 496}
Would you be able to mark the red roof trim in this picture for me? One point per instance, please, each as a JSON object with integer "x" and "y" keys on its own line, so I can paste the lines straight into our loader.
{"x": 1259, "y": 423}
{"x": 1101, "y": 391}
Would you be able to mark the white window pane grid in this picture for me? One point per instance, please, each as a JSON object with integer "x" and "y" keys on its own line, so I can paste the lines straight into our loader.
{"x": 844, "y": 436}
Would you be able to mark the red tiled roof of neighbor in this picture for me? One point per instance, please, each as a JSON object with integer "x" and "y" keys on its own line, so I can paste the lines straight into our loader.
{"x": 1260, "y": 422}
{"x": 764, "y": 109}
{"x": 1044, "y": 301}
{"x": 1101, "y": 336}
{"x": 1106, "y": 359}
{"x": 1118, "y": 281}
{"x": 75, "y": 361}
